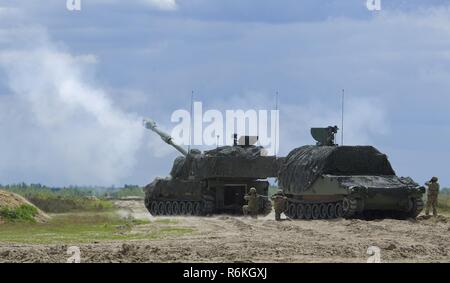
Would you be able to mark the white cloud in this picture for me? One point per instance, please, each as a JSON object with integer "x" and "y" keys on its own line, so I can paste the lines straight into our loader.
{"x": 400, "y": 56}
{"x": 365, "y": 118}
{"x": 165, "y": 5}
{"x": 162, "y": 4}
{"x": 8, "y": 12}
{"x": 70, "y": 129}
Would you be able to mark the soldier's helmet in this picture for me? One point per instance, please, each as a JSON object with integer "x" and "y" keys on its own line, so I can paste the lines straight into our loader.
{"x": 434, "y": 179}
{"x": 252, "y": 190}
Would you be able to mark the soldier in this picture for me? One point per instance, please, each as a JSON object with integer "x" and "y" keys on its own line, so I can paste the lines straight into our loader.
{"x": 252, "y": 204}
{"x": 279, "y": 203}
{"x": 432, "y": 197}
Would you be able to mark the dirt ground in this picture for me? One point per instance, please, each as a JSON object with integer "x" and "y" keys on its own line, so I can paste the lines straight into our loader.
{"x": 237, "y": 239}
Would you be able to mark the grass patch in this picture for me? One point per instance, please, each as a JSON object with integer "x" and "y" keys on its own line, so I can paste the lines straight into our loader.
{"x": 72, "y": 199}
{"x": 62, "y": 204}
{"x": 127, "y": 191}
{"x": 443, "y": 206}
{"x": 166, "y": 221}
{"x": 444, "y": 203}
{"x": 23, "y": 213}
{"x": 86, "y": 228}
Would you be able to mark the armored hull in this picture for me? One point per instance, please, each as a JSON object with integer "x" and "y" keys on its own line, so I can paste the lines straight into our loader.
{"x": 214, "y": 182}
{"x": 323, "y": 182}
{"x": 190, "y": 197}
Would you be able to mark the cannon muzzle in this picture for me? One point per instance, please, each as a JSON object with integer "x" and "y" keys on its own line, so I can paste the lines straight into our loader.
{"x": 151, "y": 125}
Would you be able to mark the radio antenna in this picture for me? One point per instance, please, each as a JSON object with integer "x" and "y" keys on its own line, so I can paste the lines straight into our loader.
{"x": 342, "y": 117}
{"x": 190, "y": 122}
{"x": 276, "y": 122}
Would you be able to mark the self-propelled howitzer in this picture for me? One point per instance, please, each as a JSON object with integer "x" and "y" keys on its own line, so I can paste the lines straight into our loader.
{"x": 325, "y": 181}
{"x": 211, "y": 182}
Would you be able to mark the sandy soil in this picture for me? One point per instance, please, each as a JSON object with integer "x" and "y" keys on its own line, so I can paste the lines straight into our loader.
{"x": 237, "y": 239}
{"x": 12, "y": 200}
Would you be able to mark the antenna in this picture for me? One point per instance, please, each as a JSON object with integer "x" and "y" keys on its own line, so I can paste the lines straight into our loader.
{"x": 190, "y": 122}
{"x": 276, "y": 122}
{"x": 342, "y": 117}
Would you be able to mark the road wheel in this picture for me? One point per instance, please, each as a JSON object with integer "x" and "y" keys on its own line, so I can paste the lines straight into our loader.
{"x": 189, "y": 208}
{"x": 292, "y": 211}
{"x": 315, "y": 211}
{"x": 338, "y": 209}
{"x": 300, "y": 211}
{"x": 196, "y": 208}
{"x": 349, "y": 207}
{"x": 323, "y": 211}
{"x": 175, "y": 208}
{"x": 308, "y": 211}
{"x": 154, "y": 208}
{"x": 331, "y": 211}
{"x": 286, "y": 210}
{"x": 168, "y": 207}
{"x": 417, "y": 207}
{"x": 161, "y": 208}
{"x": 182, "y": 208}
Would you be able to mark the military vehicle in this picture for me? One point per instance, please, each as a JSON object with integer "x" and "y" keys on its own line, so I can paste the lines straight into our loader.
{"x": 325, "y": 181}
{"x": 212, "y": 182}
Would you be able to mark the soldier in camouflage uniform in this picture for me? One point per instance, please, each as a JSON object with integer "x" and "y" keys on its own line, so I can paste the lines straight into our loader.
{"x": 432, "y": 197}
{"x": 279, "y": 203}
{"x": 252, "y": 204}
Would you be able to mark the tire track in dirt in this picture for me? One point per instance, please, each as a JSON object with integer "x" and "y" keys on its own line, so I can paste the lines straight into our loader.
{"x": 239, "y": 239}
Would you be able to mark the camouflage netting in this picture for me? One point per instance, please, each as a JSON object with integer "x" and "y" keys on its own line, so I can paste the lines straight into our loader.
{"x": 387, "y": 182}
{"x": 224, "y": 162}
{"x": 305, "y": 164}
{"x": 250, "y": 152}
{"x": 178, "y": 167}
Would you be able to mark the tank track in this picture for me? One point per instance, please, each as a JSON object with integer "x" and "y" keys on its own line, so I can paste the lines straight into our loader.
{"x": 173, "y": 208}
{"x": 191, "y": 208}
{"x": 314, "y": 210}
{"x": 416, "y": 208}
{"x": 347, "y": 208}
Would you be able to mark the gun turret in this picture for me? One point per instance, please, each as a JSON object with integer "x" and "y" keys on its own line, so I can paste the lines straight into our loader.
{"x": 151, "y": 125}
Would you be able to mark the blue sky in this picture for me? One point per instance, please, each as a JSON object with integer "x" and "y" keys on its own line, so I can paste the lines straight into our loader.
{"x": 74, "y": 85}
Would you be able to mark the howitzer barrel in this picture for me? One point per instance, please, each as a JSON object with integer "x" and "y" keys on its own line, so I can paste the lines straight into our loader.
{"x": 151, "y": 125}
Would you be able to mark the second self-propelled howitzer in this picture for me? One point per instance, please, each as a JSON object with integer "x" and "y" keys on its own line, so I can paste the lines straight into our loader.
{"x": 326, "y": 181}
{"x": 211, "y": 182}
